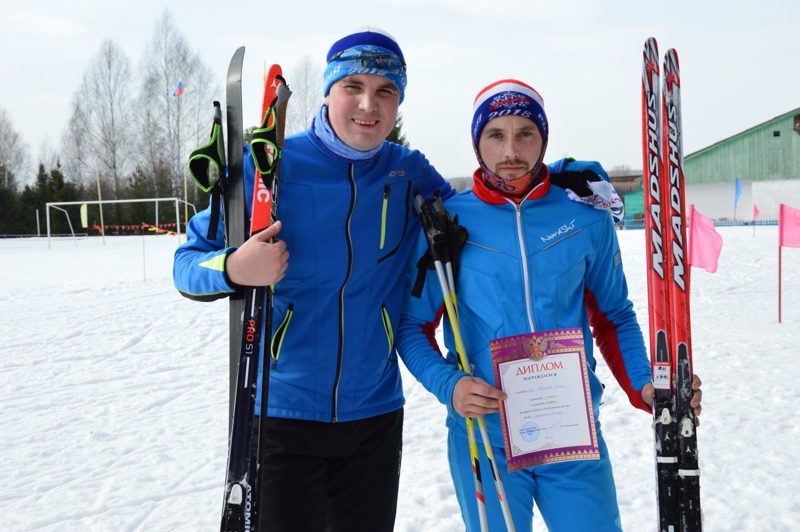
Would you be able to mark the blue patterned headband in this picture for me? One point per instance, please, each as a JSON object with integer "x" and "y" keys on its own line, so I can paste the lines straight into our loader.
{"x": 366, "y": 52}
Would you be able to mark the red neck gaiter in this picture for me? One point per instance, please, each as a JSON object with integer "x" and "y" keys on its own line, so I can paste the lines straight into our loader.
{"x": 527, "y": 188}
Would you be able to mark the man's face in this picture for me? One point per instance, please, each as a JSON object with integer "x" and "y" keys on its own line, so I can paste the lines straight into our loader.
{"x": 362, "y": 109}
{"x": 510, "y": 146}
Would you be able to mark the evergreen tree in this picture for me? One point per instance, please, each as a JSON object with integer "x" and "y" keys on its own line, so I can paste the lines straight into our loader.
{"x": 397, "y": 136}
{"x": 9, "y": 208}
{"x": 18, "y": 213}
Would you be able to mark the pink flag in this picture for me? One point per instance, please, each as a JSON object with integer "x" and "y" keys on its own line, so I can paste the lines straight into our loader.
{"x": 756, "y": 212}
{"x": 788, "y": 227}
{"x": 705, "y": 243}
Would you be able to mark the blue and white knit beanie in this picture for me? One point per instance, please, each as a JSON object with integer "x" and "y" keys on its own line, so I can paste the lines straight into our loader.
{"x": 366, "y": 50}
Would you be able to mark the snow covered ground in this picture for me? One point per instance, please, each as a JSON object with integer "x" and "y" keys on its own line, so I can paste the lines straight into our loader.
{"x": 113, "y": 393}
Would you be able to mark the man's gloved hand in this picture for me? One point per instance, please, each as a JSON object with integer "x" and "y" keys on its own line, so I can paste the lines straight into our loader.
{"x": 587, "y": 182}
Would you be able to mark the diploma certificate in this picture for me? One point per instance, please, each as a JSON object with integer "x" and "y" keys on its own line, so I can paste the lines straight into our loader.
{"x": 548, "y": 416}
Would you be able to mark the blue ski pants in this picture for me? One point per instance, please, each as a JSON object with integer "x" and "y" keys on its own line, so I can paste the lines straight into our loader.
{"x": 571, "y": 496}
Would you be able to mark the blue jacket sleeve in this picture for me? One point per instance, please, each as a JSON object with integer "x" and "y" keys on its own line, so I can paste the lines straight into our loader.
{"x": 571, "y": 165}
{"x": 415, "y": 339}
{"x": 613, "y": 320}
{"x": 431, "y": 180}
{"x": 198, "y": 269}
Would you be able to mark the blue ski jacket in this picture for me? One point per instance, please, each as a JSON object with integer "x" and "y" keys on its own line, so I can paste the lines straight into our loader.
{"x": 349, "y": 229}
{"x": 547, "y": 263}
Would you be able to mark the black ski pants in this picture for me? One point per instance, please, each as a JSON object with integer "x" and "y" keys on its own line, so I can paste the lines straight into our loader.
{"x": 331, "y": 477}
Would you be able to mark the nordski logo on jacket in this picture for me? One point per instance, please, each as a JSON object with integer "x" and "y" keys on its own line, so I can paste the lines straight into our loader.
{"x": 564, "y": 229}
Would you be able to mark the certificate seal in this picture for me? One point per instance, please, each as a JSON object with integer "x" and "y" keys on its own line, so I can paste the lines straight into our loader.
{"x": 537, "y": 348}
{"x": 529, "y": 431}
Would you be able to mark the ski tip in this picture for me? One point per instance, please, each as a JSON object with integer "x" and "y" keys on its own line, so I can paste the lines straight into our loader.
{"x": 273, "y": 78}
{"x": 672, "y": 53}
{"x": 651, "y": 50}
{"x": 671, "y": 63}
{"x": 273, "y": 72}
{"x": 237, "y": 59}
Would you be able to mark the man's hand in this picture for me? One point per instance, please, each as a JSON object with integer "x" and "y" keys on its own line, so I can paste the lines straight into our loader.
{"x": 648, "y": 394}
{"x": 474, "y": 397}
{"x": 258, "y": 262}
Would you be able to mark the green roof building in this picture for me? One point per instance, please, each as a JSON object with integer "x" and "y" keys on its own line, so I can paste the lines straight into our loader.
{"x": 766, "y": 152}
{"x": 765, "y": 159}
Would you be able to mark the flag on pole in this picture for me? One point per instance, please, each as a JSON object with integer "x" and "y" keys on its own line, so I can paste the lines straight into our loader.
{"x": 705, "y": 243}
{"x": 178, "y": 90}
{"x": 756, "y": 212}
{"x": 738, "y": 193}
{"x": 788, "y": 226}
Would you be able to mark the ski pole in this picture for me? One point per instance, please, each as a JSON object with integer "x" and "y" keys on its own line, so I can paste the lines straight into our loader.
{"x": 427, "y": 222}
{"x": 437, "y": 224}
{"x": 448, "y": 291}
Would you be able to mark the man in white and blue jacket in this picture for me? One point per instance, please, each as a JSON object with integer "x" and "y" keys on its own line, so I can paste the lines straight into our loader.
{"x": 335, "y": 403}
{"x": 535, "y": 260}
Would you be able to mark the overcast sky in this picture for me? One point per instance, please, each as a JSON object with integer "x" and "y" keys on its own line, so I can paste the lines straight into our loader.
{"x": 740, "y": 63}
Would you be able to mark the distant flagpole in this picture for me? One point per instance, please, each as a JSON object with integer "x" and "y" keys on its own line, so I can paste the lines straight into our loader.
{"x": 779, "y": 283}
{"x": 755, "y": 216}
{"x": 177, "y": 93}
{"x": 788, "y": 236}
{"x": 100, "y": 204}
{"x": 736, "y": 195}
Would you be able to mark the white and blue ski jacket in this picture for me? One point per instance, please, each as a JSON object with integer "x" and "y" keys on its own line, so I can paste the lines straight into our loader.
{"x": 547, "y": 263}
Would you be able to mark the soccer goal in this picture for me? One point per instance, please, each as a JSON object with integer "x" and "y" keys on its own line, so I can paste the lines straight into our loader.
{"x": 56, "y": 205}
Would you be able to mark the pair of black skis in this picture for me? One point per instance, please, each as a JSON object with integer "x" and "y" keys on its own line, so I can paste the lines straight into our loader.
{"x": 674, "y": 423}
{"x": 250, "y": 312}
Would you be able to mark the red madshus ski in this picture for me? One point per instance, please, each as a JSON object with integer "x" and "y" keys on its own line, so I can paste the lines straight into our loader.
{"x": 658, "y": 302}
{"x": 677, "y": 475}
{"x": 241, "y": 486}
{"x": 688, "y": 479}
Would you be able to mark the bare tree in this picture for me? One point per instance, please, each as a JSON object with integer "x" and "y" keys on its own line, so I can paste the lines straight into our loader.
{"x": 13, "y": 153}
{"x": 77, "y": 157}
{"x": 172, "y": 121}
{"x": 48, "y": 155}
{"x": 102, "y": 112}
{"x": 305, "y": 80}
{"x": 153, "y": 159}
{"x": 199, "y": 111}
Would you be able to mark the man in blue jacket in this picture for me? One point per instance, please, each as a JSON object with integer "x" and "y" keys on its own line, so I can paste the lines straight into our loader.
{"x": 534, "y": 261}
{"x": 335, "y": 398}
{"x": 335, "y": 414}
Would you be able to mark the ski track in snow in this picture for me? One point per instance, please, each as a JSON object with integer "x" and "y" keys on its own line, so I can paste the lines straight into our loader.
{"x": 114, "y": 394}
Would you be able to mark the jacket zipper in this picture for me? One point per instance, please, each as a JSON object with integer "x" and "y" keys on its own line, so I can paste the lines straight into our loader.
{"x": 383, "y": 215}
{"x": 405, "y": 224}
{"x": 280, "y": 333}
{"x": 349, "y": 240}
{"x": 387, "y": 326}
{"x": 525, "y": 276}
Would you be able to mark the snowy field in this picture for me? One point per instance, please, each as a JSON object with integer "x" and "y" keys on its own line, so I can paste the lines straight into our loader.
{"x": 113, "y": 392}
